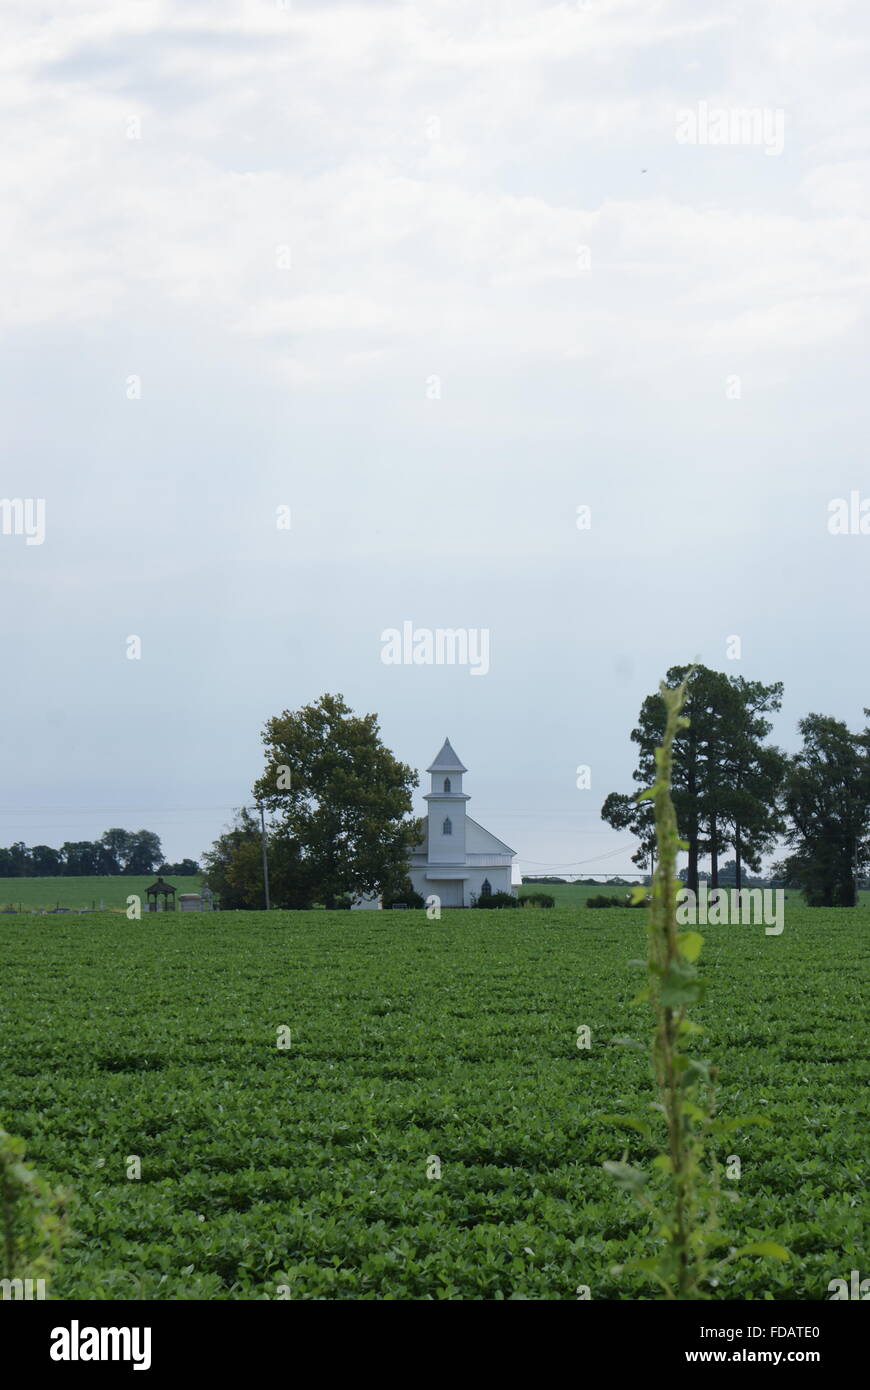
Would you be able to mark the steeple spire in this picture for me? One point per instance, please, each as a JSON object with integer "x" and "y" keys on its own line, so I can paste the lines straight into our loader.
{"x": 446, "y": 760}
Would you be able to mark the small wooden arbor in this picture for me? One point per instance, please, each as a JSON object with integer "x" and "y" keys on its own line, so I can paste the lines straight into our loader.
{"x": 160, "y": 889}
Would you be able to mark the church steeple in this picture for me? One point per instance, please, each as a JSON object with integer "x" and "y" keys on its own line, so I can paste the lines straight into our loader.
{"x": 446, "y": 808}
{"x": 446, "y": 760}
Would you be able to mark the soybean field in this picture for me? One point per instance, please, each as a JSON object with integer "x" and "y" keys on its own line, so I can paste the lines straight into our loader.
{"x": 373, "y": 1105}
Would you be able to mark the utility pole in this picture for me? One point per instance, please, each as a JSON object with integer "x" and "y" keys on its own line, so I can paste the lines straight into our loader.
{"x": 265, "y": 860}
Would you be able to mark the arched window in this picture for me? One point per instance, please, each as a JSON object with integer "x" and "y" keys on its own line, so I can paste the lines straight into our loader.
{"x": 447, "y": 828}
{"x": 447, "y": 784}
{"x": 486, "y": 889}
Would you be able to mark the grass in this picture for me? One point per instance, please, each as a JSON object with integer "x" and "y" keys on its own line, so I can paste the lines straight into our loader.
{"x": 45, "y": 893}
{"x": 305, "y": 1169}
{"x": 575, "y": 894}
{"x": 38, "y": 894}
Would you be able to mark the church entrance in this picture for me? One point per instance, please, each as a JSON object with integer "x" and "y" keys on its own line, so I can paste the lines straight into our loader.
{"x": 450, "y": 891}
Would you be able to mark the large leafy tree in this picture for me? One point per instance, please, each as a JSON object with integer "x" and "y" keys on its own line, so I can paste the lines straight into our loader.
{"x": 827, "y": 799}
{"x": 19, "y": 859}
{"x": 144, "y": 853}
{"x": 81, "y": 857}
{"x": 45, "y": 862}
{"x": 116, "y": 844}
{"x": 233, "y": 865}
{"x": 340, "y": 802}
{"x": 15, "y": 861}
{"x": 234, "y": 868}
{"x": 724, "y": 777}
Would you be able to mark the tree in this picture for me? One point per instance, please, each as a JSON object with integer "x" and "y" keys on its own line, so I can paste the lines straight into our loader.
{"x": 725, "y": 780}
{"x": 19, "y": 859}
{"x": 81, "y": 857}
{"x": 233, "y": 868}
{"x": 144, "y": 853}
{"x": 230, "y": 867}
{"x": 185, "y": 867}
{"x": 755, "y": 773}
{"x": 117, "y": 851}
{"x": 694, "y": 785}
{"x": 827, "y": 799}
{"x": 45, "y": 862}
{"x": 728, "y": 877}
{"x": 117, "y": 845}
{"x": 404, "y": 895}
{"x": 714, "y": 706}
{"x": 340, "y": 802}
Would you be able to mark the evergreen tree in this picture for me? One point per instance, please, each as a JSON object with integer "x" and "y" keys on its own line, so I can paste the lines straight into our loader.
{"x": 725, "y": 780}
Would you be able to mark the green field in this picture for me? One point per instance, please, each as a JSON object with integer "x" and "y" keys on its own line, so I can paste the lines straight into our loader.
{"x": 571, "y": 894}
{"x": 307, "y": 1167}
{"x": 43, "y": 894}
{"x": 46, "y": 893}
{"x": 575, "y": 894}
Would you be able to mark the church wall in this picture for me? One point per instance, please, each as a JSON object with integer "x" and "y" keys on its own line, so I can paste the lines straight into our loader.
{"x": 446, "y": 849}
{"x": 499, "y": 878}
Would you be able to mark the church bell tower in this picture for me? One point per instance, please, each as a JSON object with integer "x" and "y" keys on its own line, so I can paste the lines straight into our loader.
{"x": 445, "y": 801}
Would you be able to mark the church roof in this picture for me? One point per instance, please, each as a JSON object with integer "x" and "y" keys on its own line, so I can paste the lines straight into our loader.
{"x": 496, "y": 844}
{"x": 484, "y": 842}
{"x": 446, "y": 761}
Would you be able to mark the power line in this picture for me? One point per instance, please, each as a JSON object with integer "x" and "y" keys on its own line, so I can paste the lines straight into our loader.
{"x": 578, "y": 863}
{"x": 238, "y": 806}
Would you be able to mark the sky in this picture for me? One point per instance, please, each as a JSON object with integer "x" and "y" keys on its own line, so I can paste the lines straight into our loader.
{"x": 541, "y": 323}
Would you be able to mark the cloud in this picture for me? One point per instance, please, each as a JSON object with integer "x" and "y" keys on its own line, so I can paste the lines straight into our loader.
{"x": 290, "y": 217}
{"x": 398, "y": 236}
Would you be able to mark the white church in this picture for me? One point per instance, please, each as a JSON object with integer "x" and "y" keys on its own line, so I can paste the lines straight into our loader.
{"x": 456, "y": 860}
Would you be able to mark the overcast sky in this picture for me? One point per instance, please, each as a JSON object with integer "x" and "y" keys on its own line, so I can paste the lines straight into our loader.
{"x": 432, "y": 276}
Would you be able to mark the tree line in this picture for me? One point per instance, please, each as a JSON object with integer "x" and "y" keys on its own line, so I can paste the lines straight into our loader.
{"x": 116, "y": 852}
{"x": 735, "y": 792}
